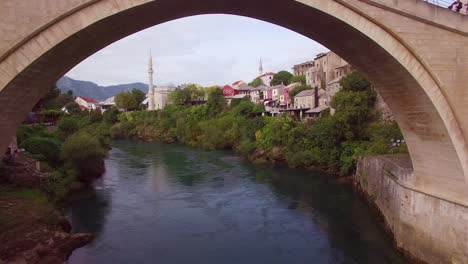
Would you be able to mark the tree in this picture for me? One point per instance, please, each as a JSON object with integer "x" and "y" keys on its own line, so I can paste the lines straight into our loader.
{"x": 73, "y": 108}
{"x": 138, "y": 95}
{"x": 216, "y": 102}
{"x": 282, "y": 77}
{"x": 126, "y": 101}
{"x": 256, "y": 82}
{"x": 356, "y": 82}
{"x": 84, "y": 153}
{"x": 298, "y": 79}
{"x": 187, "y": 93}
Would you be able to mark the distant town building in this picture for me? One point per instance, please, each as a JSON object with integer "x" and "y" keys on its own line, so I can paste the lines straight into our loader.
{"x": 324, "y": 69}
{"x": 238, "y": 84}
{"x": 157, "y": 98}
{"x": 256, "y": 94}
{"x": 230, "y": 91}
{"x": 305, "y": 99}
{"x": 277, "y": 91}
{"x": 301, "y": 69}
{"x": 86, "y": 103}
{"x": 108, "y": 103}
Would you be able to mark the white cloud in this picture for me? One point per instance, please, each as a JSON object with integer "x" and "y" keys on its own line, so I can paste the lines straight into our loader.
{"x": 208, "y": 50}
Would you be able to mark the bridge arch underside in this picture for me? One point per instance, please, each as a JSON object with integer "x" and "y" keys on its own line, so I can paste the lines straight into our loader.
{"x": 437, "y": 149}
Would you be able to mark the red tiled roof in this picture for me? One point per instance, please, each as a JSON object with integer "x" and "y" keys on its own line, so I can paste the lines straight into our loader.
{"x": 88, "y": 100}
{"x": 237, "y": 82}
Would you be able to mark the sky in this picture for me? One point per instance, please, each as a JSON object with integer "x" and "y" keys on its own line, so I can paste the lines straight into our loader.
{"x": 206, "y": 50}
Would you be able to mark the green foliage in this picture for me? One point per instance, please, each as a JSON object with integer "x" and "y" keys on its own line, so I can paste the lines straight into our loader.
{"x": 331, "y": 142}
{"x": 24, "y": 132}
{"x": 43, "y": 148}
{"x": 246, "y": 107}
{"x": 126, "y": 101}
{"x": 216, "y": 102}
{"x": 187, "y": 93}
{"x": 73, "y": 108}
{"x": 84, "y": 153}
{"x": 355, "y": 82}
{"x": 138, "y": 95}
{"x": 297, "y": 90}
{"x": 298, "y": 79}
{"x": 282, "y": 77}
{"x": 67, "y": 126}
{"x": 111, "y": 114}
{"x": 256, "y": 82}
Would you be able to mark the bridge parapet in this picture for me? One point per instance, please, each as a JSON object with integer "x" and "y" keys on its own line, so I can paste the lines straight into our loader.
{"x": 427, "y": 12}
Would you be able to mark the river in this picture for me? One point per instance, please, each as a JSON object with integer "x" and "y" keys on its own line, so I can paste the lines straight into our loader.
{"x": 173, "y": 204}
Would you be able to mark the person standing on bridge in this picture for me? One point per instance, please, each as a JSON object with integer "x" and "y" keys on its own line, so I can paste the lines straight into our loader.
{"x": 457, "y": 5}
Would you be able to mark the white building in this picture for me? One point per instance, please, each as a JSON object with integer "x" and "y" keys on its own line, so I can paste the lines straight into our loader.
{"x": 157, "y": 98}
{"x": 265, "y": 77}
{"x": 86, "y": 103}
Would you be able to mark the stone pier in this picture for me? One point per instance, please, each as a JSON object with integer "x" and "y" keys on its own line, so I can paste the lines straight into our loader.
{"x": 431, "y": 229}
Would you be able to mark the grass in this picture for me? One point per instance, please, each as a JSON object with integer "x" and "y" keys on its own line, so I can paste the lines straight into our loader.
{"x": 23, "y": 207}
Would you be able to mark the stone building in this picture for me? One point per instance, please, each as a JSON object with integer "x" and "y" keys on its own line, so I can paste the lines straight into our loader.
{"x": 305, "y": 99}
{"x": 324, "y": 69}
{"x": 157, "y": 98}
{"x": 303, "y": 68}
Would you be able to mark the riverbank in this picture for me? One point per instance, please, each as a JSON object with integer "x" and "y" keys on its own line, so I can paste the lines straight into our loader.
{"x": 32, "y": 228}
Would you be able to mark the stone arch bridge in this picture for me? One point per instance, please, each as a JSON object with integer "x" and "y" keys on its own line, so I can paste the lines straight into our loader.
{"x": 415, "y": 54}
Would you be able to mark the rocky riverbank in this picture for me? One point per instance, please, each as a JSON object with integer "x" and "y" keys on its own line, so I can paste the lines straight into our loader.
{"x": 32, "y": 229}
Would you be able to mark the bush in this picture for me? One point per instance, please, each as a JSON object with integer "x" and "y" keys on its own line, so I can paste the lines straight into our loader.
{"x": 84, "y": 153}
{"x": 43, "y": 148}
{"x": 67, "y": 126}
{"x": 110, "y": 115}
{"x": 24, "y": 132}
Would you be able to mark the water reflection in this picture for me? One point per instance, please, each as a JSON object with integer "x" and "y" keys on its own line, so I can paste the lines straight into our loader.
{"x": 82, "y": 218}
{"x": 179, "y": 205}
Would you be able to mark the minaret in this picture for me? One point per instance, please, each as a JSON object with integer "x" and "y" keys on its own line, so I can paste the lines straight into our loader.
{"x": 260, "y": 69}
{"x": 150, "y": 84}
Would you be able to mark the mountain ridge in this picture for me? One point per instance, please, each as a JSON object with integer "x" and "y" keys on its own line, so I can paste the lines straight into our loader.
{"x": 95, "y": 91}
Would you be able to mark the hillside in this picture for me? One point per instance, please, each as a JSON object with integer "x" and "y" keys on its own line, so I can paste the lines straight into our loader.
{"x": 92, "y": 90}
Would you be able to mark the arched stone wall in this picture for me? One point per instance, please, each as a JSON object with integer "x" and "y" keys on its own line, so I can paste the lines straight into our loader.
{"x": 42, "y": 40}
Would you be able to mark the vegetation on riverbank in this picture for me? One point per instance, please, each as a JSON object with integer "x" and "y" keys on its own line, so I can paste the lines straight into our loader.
{"x": 72, "y": 150}
{"x": 331, "y": 142}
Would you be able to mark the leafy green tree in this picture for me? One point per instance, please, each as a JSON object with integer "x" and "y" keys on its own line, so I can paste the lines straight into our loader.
{"x": 84, "y": 153}
{"x": 126, "y": 101}
{"x": 246, "y": 107}
{"x": 187, "y": 93}
{"x": 356, "y": 82}
{"x": 282, "y": 77}
{"x": 216, "y": 102}
{"x": 298, "y": 79}
{"x": 256, "y": 82}
{"x": 73, "y": 108}
{"x": 138, "y": 95}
